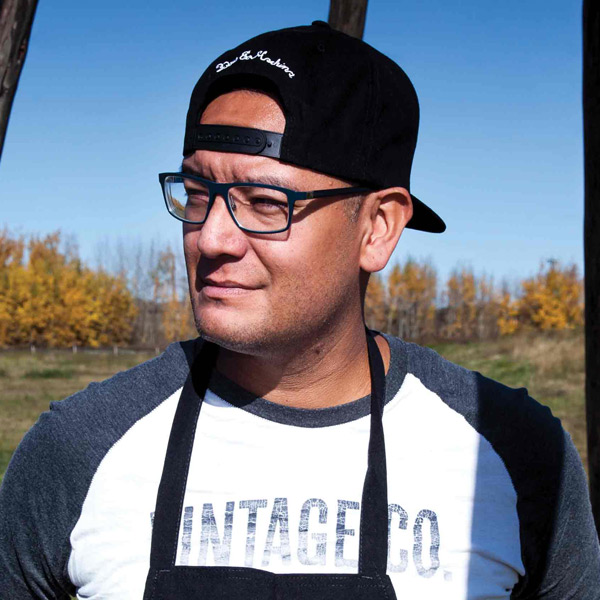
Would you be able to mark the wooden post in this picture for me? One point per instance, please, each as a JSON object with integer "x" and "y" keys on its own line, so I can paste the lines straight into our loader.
{"x": 591, "y": 136}
{"x": 348, "y": 16}
{"x": 16, "y": 19}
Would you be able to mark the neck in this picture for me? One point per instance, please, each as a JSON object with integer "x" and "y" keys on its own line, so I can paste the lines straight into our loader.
{"x": 314, "y": 373}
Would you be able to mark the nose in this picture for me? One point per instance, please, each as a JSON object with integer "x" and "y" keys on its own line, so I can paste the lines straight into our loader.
{"x": 219, "y": 234}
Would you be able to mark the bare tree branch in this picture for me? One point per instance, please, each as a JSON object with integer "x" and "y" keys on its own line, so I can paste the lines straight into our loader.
{"x": 348, "y": 16}
{"x": 16, "y": 19}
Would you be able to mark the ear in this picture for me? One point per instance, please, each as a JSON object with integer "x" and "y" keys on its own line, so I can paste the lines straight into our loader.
{"x": 386, "y": 214}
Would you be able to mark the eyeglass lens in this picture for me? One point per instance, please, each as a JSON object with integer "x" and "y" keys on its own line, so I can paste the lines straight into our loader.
{"x": 254, "y": 207}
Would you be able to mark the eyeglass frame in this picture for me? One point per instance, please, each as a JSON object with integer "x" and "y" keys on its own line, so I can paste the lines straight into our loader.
{"x": 222, "y": 189}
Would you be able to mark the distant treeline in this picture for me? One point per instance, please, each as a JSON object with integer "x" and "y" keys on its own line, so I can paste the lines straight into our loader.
{"x": 48, "y": 297}
{"x": 136, "y": 294}
{"x": 412, "y": 305}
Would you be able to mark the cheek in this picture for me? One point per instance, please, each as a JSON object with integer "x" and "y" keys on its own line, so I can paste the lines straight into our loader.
{"x": 314, "y": 258}
{"x": 189, "y": 248}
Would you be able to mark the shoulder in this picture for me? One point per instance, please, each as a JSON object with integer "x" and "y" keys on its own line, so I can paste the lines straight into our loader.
{"x": 555, "y": 520}
{"x": 91, "y": 420}
{"x": 498, "y": 412}
{"x": 126, "y": 396}
{"x": 78, "y": 430}
{"x": 50, "y": 472}
{"x": 525, "y": 434}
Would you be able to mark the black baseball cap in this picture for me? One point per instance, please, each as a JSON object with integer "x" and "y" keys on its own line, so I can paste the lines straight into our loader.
{"x": 351, "y": 112}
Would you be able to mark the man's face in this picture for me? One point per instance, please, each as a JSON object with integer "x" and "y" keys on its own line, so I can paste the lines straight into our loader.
{"x": 254, "y": 293}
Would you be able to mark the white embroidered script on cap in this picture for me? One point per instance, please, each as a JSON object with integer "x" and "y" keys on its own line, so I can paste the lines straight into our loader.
{"x": 261, "y": 55}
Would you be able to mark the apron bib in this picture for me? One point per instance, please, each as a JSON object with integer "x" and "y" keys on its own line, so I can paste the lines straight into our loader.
{"x": 166, "y": 581}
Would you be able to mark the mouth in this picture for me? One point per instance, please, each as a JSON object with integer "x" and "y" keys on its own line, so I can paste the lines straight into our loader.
{"x": 214, "y": 288}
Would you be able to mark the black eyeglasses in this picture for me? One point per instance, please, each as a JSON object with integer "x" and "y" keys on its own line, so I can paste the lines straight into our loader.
{"x": 254, "y": 207}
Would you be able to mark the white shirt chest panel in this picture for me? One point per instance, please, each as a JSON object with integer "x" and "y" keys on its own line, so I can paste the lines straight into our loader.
{"x": 287, "y": 499}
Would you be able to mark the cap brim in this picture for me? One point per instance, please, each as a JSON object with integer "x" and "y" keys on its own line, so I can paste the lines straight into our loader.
{"x": 424, "y": 219}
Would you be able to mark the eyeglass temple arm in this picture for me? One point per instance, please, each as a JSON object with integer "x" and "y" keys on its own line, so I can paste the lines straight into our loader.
{"x": 336, "y": 192}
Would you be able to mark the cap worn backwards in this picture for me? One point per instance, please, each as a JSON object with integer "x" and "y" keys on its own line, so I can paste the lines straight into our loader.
{"x": 351, "y": 112}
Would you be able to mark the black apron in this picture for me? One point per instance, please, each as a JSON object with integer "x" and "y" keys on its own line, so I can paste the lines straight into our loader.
{"x": 169, "y": 582}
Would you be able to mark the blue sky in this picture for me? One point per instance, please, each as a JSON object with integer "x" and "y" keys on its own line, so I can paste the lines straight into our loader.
{"x": 101, "y": 106}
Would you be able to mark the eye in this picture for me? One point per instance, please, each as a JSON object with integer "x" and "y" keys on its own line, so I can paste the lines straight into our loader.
{"x": 264, "y": 203}
{"x": 194, "y": 196}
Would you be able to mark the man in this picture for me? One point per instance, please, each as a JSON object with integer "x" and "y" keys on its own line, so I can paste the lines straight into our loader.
{"x": 294, "y": 188}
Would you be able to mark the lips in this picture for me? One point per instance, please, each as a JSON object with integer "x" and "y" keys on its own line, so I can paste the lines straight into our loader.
{"x": 222, "y": 289}
{"x": 224, "y": 283}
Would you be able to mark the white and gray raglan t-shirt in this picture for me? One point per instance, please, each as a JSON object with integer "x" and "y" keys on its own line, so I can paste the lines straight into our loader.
{"x": 487, "y": 496}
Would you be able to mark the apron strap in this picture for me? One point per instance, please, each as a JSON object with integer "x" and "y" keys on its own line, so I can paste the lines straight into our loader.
{"x": 171, "y": 491}
{"x": 373, "y": 544}
{"x": 373, "y": 540}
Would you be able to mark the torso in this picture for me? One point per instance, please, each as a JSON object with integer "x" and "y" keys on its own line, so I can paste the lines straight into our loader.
{"x": 270, "y": 490}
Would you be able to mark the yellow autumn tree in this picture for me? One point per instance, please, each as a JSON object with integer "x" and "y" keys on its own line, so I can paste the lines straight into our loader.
{"x": 111, "y": 311}
{"x": 39, "y": 311}
{"x": 11, "y": 271}
{"x": 508, "y": 313}
{"x": 49, "y": 298}
{"x": 552, "y": 299}
{"x": 177, "y": 317}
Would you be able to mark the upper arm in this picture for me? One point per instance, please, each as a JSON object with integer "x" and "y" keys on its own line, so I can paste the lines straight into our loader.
{"x": 571, "y": 569}
{"x": 34, "y": 518}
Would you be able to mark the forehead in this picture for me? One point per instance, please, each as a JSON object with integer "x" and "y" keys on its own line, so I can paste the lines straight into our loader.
{"x": 245, "y": 108}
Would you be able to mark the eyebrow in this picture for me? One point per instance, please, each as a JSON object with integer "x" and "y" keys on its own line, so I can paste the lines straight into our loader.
{"x": 268, "y": 179}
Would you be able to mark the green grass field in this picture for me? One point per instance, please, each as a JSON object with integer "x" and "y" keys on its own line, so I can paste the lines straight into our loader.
{"x": 29, "y": 382}
{"x": 550, "y": 366}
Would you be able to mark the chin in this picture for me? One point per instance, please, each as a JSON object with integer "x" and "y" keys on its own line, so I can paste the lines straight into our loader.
{"x": 256, "y": 329}
{"x": 234, "y": 330}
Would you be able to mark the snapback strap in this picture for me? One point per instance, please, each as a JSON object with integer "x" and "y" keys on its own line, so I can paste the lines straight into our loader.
{"x": 227, "y": 138}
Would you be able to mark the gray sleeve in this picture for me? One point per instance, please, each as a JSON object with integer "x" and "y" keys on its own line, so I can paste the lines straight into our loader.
{"x": 48, "y": 477}
{"x": 35, "y": 511}
{"x": 559, "y": 543}
{"x": 572, "y": 565}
